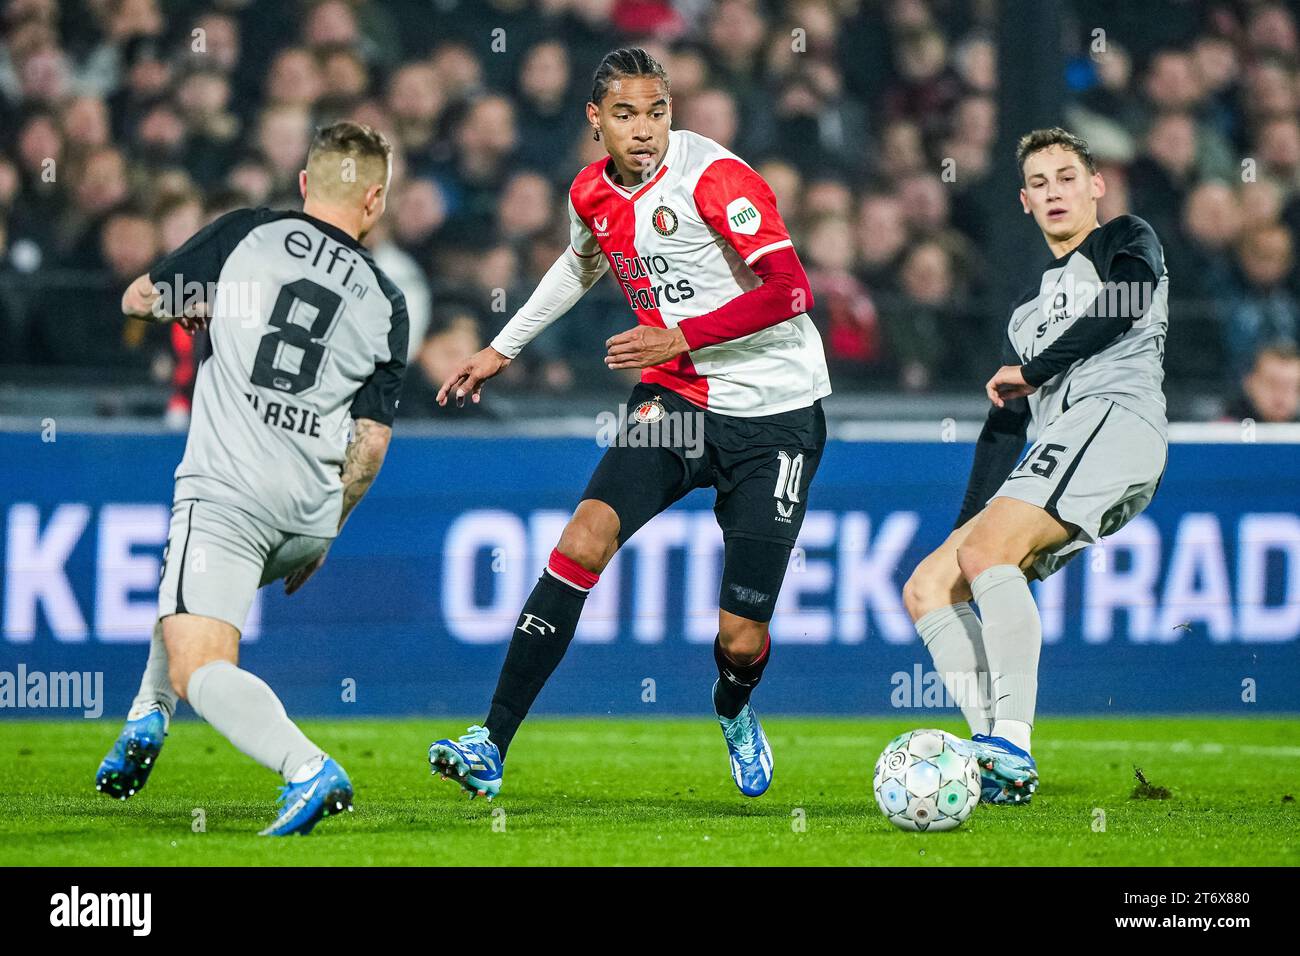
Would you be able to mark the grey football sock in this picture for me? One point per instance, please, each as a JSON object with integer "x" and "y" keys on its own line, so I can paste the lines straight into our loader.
{"x": 1013, "y": 638}
{"x": 954, "y": 638}
{"x": 245, "y": 709}
{"x": 156, "y": 686}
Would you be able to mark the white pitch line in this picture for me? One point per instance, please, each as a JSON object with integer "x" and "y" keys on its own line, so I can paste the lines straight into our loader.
{"x": 855, "y": 741}
{"x": 1177, "y": 747}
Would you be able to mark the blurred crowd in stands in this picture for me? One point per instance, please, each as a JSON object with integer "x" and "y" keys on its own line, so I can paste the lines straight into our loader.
{"x": 130, "y": 123}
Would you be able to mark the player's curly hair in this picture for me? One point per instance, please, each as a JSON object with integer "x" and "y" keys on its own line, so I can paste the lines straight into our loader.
{"x": 1031, "y": 143}
{"x": 629, "y": 61}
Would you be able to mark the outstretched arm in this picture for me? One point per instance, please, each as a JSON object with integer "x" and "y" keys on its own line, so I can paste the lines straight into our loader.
{"x": 564, "y": 284}
{"x": 142, "y": 300}
{"x": 197, "y": 261}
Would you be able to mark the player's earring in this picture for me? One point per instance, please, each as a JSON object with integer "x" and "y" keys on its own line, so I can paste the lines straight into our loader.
{"x": 595, "y": 133}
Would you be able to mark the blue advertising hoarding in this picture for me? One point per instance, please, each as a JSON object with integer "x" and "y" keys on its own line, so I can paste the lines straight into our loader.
{"x": 1194, "y": 607}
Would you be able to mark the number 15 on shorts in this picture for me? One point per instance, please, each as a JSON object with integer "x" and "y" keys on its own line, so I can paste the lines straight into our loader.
{"x": 1041, "y": 460}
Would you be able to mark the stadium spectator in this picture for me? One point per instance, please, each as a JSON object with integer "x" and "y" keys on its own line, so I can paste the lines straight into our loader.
{"x": 420, "y": 212}
{"x": 416, "y": 102}
{"x": 408, "y": 275}
{"x": 711, "y": 113}
{"x": 100, "y": 186}
{"x": 843, "y": 309}
{"x": 213, "y": 135}
{"x": 80, "y": 337}
{"x": 882, "y": 237}
{"x": 1200, "y": 253}
{"x": 484, "y": 143}
{"x": 283, "y": 135}
{"x": 921, "y": 325}
{"x": 524, "y": 208}
{"x": 550, "y": 111}
{"x": 850, "y": 110}
{"x": 450, "y": 340}
{"x": 1270, "y": 391}
{"x": 1263, "y": 310}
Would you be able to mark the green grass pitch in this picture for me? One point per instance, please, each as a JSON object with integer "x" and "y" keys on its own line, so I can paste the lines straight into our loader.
{"x": 605, "y": 791}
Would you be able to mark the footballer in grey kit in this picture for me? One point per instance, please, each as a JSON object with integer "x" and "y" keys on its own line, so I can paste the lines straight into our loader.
{"x": 293, "y": 414}
{"x": 1115, "y": 263}
{"x": 323, "y": 341}
{"x": 1084, "y": 361}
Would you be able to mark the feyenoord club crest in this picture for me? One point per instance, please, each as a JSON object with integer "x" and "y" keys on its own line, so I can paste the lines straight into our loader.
{"x": 665, "y": 221}
{"x": 647, "y": 413}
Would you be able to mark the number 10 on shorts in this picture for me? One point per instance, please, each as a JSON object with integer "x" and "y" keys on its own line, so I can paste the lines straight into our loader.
{"x": 788, "y": 477}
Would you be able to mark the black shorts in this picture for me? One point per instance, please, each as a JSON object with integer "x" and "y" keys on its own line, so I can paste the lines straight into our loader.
{"x": 761, "y": 467}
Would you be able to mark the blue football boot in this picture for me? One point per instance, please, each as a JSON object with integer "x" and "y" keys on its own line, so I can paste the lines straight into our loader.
{"x": 303, "y": 805}
{"x": 127, "y": 767}
{"x": 473, "y": 761}
{"x": 1007, "y": 773}
{"x": 750, "y": 753}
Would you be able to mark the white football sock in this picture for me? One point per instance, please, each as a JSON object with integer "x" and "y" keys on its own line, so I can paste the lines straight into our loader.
{"x": 245, "y": 709}
{"x": 156, "y": 689}
{"x": 1016, "y": 731}
{"x": 1013, "y": 640}
{"x": 953, "y": 637}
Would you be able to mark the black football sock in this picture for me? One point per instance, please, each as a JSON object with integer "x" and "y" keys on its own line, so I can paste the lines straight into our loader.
{"x": 736, "y": 681}
{"x": 545, "y": 628}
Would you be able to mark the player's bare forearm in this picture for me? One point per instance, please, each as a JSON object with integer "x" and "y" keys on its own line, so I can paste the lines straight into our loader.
{"x": 645, "y": 346}
{"x": 364, "y": 458}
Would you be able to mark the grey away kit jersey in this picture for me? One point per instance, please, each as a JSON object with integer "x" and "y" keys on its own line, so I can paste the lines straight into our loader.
{"x": 1129, "y": 371}
{"x": 307, "y": 333}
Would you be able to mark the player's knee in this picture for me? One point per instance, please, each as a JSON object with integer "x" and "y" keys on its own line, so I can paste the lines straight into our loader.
{"x": 919, "y": 593}
{"x": 181, "y": 668}
{"x": 742, "y": 640}
{"x": 934, "y": 584}
{"x": 182, "y": 662}
{"x": 590, "y": 538}
{"x": 193, "y": 642}
{"x": 179, "y": 673}
{"x": 974, "y": 559}
{"x": 584, "y": 547}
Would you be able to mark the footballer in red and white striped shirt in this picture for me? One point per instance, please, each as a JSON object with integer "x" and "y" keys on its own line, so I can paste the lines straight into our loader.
{"x": 693, "y": 237}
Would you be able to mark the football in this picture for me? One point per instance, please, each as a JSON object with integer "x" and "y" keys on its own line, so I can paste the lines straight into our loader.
{"x": 923, "y": 782}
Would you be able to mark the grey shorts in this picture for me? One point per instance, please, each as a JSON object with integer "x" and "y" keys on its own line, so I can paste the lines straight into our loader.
{"x": 1095, "y": 467}
{"x": 218, "y": 556}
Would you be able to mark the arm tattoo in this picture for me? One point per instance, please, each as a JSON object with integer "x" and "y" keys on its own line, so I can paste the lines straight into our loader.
{"x": 361, "y": 464}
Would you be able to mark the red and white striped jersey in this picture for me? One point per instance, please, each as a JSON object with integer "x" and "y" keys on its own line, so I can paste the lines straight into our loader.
{"x": 681, "y": 245}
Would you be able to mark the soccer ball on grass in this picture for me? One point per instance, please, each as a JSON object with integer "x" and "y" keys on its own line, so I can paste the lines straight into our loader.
{"x": 923, "y": 782}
